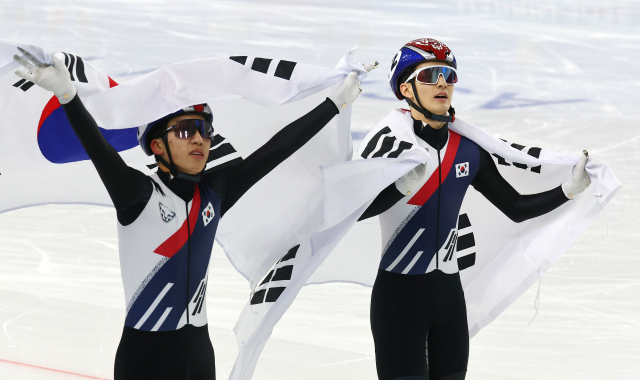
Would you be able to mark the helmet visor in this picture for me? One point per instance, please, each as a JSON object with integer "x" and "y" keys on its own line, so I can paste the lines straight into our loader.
{"x": 186, "y": 129}
{"x": 430, "y": 75}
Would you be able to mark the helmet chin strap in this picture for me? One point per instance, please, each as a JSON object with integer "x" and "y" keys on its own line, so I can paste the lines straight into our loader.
{"x": 428, "y": 114}
{"x": 172, "y": 168}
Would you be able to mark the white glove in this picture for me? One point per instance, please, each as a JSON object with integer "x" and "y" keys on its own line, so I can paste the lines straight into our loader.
{"x": 370, "y": 66}
{"x": 349, "y": 90}
{"x": 410, "y": 181}
{"x": 54, "y": 78}
{"x": 579, "y": 179}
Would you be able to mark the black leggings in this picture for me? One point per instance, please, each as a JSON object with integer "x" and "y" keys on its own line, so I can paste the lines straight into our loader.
{"x": 419, "y": 325}
{"x": 184, "y": 354}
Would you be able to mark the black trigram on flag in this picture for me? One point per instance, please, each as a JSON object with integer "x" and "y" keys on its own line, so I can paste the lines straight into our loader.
{"x": 382, "y": 145}
{"x": 23, "y": 84}
{"x": 465, "y": 243}
{"x": 284, "y": 69}
{"x": 221, "y": 155}
{"x": 199, "y": 300}
{"x": 532, "y": 151}
{"x": 75, "y": 65}
{"x": 267, "y": 291}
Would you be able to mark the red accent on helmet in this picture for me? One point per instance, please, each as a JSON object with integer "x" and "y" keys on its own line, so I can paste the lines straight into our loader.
{"x": 199, "y": 107}
{"x": 440, "y": 50}
{"x": 414, "y": 53}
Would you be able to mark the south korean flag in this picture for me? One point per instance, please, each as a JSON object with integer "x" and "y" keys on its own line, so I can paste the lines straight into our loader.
{"x": 207, "y": 214}
{"x": 462, "y": 170}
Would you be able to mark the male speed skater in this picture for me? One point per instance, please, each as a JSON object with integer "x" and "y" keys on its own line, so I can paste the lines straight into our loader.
{"x": 418, "y": 310}
{"x": 167, "y": 221}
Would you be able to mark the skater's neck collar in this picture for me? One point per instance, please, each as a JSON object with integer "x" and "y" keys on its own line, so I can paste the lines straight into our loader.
{"x": 436, "y": 138}
{"x": 180, "y": 187}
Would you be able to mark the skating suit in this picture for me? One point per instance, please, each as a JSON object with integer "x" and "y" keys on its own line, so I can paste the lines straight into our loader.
{"x": 164, "y": 260}
{"x": 418, "y": 312}
{"x": 420, "y": 231}
{"x": 166, "y": 230}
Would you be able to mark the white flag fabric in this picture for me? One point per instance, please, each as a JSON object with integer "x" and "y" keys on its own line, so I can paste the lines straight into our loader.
{"x": 8, "y": 49}
{"x": 42, "y": 161}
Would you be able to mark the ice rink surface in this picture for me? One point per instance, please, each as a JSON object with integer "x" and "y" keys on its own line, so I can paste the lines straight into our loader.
{"x": 561, "y": 74}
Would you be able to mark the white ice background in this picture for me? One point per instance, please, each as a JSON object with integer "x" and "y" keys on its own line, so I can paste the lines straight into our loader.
{"x": 560, "y": 74}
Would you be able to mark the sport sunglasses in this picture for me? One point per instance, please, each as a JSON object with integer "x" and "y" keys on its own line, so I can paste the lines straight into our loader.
{"x": 186, "y": 129}
{"x": 430, "y": 75}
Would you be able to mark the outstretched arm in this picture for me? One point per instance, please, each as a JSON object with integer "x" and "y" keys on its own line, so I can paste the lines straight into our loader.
{"x": 232, "y": 183}
{"x": 240, "y": 178}
{"x": 126, "y": 186}
{"x": 514, "y": 205}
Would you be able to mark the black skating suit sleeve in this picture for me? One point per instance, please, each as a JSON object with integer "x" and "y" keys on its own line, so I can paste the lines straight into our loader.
{"x": 128, "y": 188}
{"x": 514, "y": 205}
{"x": 231, "y": 183}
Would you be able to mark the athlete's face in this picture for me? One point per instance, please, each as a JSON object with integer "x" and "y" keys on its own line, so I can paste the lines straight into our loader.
{"x": 434, "y": 97}
{"x": 189, "y": 155}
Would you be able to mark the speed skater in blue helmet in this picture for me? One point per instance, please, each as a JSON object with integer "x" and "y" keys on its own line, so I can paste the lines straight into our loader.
{"x": 180, "y": 141}
{"x": 167, "y": 222}
{"x": 428, "y": 62}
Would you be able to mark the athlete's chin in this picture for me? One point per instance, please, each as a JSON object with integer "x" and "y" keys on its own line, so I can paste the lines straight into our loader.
{"x": 439, "y": 109}
{"x": 439, "y": 106}
{"x": 197, "y": 170}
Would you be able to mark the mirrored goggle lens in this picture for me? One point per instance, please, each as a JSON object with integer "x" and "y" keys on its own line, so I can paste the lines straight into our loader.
{"x": 185, "y": 129}
{"x": 430, "y": 75}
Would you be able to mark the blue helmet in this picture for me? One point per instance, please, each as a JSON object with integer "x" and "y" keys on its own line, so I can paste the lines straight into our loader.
{"x": 418, "y": 51}
{"x": 143, "y": 130}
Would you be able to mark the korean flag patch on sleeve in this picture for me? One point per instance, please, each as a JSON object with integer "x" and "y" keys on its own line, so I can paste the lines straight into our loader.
{"x": 462, "y": 170}
{"x": 208, "y": 214}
